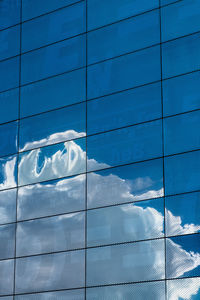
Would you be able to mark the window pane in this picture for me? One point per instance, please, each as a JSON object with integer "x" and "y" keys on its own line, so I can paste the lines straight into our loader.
{"x": 8, "y": 206}
{"x": 9, "y": 13}
{"x": 8, "y": 172}
{"x": 7, "y": 238}
{"x": 7, "y": 277}
{"x": 10, "y": 42}
{"x": 126, "y": 263}
{"x": 165, "y": 2}
{"x": 9, "y": 73}
{"x": 8, "y": 145}
{"x": 9, "y": 105}
{"x": 63, "y": 295}
{"x": 183, "y": 289}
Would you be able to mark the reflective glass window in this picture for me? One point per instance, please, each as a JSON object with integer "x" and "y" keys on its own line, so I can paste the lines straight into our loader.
{"x": 183, "y": 289}
{"x": 181, "y": 133}
{"x": 53, "y": 197}
{"x": 53, "y": 27}
{"x": 165, "y": 2}
{"x": 54, "y": 59}
{"x": 8, "y": 145}
{"x": 66, "y": 89}
{"x": 62, "y": 295}
{"x": 124, "y": 146}
{"x": 125, "y": 223}
{"x": 51, "y": 234}
{"x": 9, "y": 13}
{"x": 68, "y": 123}
{"x": 124, "y": 72}
{"x": 125, "y": 263}
{"x": 50, "y": 272}
{"x": 125, "y": 184}
{"x": 182, "y": 214}
{"x": 9, "y": 74}
{"x": 7, "y": 238}
{"x": 8, "y": 172}
{"x": 56, "y": 161}
{"x": 7, "y": 298}
{"x": 182, "y": 256}
{"x": 9, "y": 105}
{"x": 10, "y": 42}
{"x": 7, "y": 277}
{"x": 123, "y": 109}
{"x": 182, "y": 173}
{"x": 7, "y": 206}
{"x": 126, "y": 36}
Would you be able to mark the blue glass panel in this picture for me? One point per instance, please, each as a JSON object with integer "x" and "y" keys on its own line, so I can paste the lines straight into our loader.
{"x": 10, "y": 42}
{"x": 183, "y": 289}
{"x": 125, "y": 223}
{"x": 8, "y": 206}
{"x": 124, "y": 72}
{"x": 50, "y": 272}
{"x": 182, "y": 173}
{"x": 53, "y": 197}
{"x": 181, "y": 56}
{"x": 165, "y": 2}
{"x": 54, "y": 59}
{"x": 53, "y": 27}
{"x": 56, "y": 161}
{"x": 125, "y": 184}
{"x": 123, "y": 146}
{"x": 52, "y": 234}
{"x": 66, "y": 89}
{"x": 181, "y": 133}
{"x": 126, "y": 263}
{"x": 129, "y": 35}
{"x": 7, "y": 277}
{"x": 182, "y": 214}
{"x": 9, "y": 106}
{"x": 63, "y": 295}
{"x": 181, "y": 94}
{"x": 68, "y": 123}
{"x": 9, "y": 74}
{"x": 8, "y": 172}
{"x": 182, "y": 255}
{"x": 180, "y": 19}
{"x": 139, "y": 291}
{"x": 123, "y": 109}
{"x": 7, "y": 238}
{"x": 8, "y": 145}
{"x": 104, "y": 12}
{"x": 34, "y": 8}
{"x": 9, "y": 13}
{"x": 7, "y": 298}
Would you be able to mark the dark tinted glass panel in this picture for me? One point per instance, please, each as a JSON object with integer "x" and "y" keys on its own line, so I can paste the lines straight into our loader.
{"x": 129, "y": 35}
{"x": 53, "y": 197}
{"x": 123, "y": 109}
{"x": 52, "y": 162}
{"x": 68, "y": 123}
{"x": 181, "y": 94}
{"x": 180, "y": 19}
{"x": 63, "y": 295}
{"x": 10, "y": 42}
{"x": 125, "y": 184}
{"x": 182, "y": 214}
{"x": 181, "y": 133}
{"x": 7, "y": 238}
{"x": 182, "y": 173}
{"x": 53, "y": 27}
{"x": 50, "y": 272}
{"x": 8, "y": 172}
{"x": 124, "y": 146}
{"x": 104, "y": 12}
{"x": 39, "y": 97}
{"x": 139, "y": 291}
{"x": 125, "y": 263}
{"x": 183, "y": 256}
{"x": 8, "y": 145}
{"x": 9, "y": 74}
{"x": 54, "y": 59}
{"x": 183, "y": 289}
{"x": 124, "y": 72}
{"x": 9, "y": 105}
{"x": 7, "y": 277}
{"x": 9, "y": 13}
{"x": 7, "y": 206}
{"x": 124, "y": 223}
{"x": 181, "y": 56}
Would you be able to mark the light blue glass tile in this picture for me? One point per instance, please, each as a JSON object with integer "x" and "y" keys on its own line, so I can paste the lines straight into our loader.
{"x": 8, "y": 172}
{"x": 8, "y": 206}
{"x": 183, "y": 289}
{"x": 7, "y": 238}
{"x": 7, "y": 276}
{"x": 62, "y": 295}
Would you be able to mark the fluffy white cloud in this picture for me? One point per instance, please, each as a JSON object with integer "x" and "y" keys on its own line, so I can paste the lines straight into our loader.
{"x": 183, "y": 289}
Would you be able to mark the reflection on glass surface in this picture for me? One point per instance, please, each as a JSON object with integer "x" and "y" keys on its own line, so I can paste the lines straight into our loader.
{"x": 50, "y": 272}
{"x": 183, "y": 256}
{"x": 126, "y": 263}
{"x": 68, "y": 123}
{"x": 9, "y": 73}
{"x": 10, "y": 42}
{"x": 7, "y": 277}
{"x": 8, "y": 172}
{"x": 7, "y": 238}
{"x": 49, "y": 198}
{"x": 52, "y": 234}
{"x": 9, "y": 14}
{"x": 8, "y": 145}
{"x": 124, "y": 146}
{"x": 52, "y": 162}
{"x": 124, "y": 223}
{"x": 125, "y": 184}
{"x": 139, "y": 291}
{"x": 8, "y": 206}
{"x": 182, "y": 214}
{"x": 9, "y": 105}
{"x": 184, "y": 289}
{"x": 63, "y": 295}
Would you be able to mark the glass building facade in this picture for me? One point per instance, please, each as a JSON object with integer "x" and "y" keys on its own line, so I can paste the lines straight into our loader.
{"x": 100, "y": 150}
